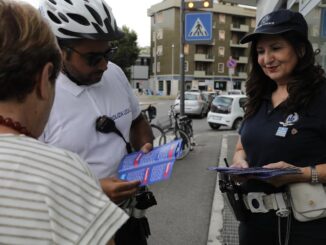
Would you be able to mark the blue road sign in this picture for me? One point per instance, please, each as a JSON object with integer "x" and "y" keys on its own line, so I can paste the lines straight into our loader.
{"x": 198, "y": 27}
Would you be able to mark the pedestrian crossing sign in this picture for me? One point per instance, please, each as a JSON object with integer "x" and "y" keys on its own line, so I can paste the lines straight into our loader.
{"x": 198, "y": 27}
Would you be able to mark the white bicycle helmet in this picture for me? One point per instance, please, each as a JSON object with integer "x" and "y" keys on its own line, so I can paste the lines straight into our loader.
{"x": 78, "y": 19}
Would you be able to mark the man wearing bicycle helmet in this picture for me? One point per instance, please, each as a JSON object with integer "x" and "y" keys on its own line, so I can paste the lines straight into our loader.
{"x": 95, "y": 112}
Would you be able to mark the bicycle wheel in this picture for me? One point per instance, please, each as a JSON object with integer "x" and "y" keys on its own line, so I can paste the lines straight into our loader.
{"x": 179, "y": 134}
{"x": 159, "y": 136}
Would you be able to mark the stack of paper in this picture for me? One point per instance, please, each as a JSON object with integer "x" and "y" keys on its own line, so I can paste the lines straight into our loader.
{"x": 258, "y": 172}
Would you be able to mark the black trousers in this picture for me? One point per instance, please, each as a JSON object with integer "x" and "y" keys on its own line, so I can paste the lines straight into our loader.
{"x": 133, "y": 232}
{"x": 262, "y": 229}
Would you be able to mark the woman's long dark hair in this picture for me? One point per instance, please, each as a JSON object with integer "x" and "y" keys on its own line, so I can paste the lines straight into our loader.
{"x": 307, "y": 77}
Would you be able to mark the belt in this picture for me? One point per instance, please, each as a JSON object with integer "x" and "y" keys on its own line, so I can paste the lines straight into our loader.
{"x": 259, "y": 202}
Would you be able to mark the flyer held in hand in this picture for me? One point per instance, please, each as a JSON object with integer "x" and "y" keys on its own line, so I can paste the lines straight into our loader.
{"x": 258, "y": 172}
{"x": 151, "y": 167}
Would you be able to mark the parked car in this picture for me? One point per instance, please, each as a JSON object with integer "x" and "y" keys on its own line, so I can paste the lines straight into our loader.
{"x": 209, "y": 96}
{"x": 226, "y": 110}
{"x": 195, "y": 104}
{"x": 235, "y": 91}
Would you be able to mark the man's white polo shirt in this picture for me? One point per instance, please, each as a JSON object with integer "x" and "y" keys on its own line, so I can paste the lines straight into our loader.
{"x": 72, "y": 120}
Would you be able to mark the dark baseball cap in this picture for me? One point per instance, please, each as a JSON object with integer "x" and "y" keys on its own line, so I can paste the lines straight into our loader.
{"x": 278, "y": 22}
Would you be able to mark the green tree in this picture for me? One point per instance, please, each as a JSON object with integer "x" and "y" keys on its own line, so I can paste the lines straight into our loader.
{"x": 127, "y": 52}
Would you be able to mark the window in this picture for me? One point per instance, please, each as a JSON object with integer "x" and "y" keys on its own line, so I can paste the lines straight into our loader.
{"x": 159, "y": 50}
{"x": 160, "y": 86}
{"x": 186, "y": 66}
{"x": 158, "y": 67}
{"x": 242, "y": 102}
{"x": 221, "y": 51}
{"x": 159, "y": 17}
{"x": 221, "y": 18}
{"x": 220, "y": 85}
{"x": 221, "y": 35}
{"x": 159, "y": 34}
{"x": 220, "y": 67}
{"x": 186, "y": 49}
{"x": 154, "y": 36}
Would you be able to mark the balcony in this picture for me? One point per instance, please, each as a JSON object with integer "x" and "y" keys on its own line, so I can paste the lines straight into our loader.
{"x": 242, "y": 60}
{"x": 239, "y": 28}
{"x": 203, "y": 74}
{"x": 243, "y": 75}
{"x": 200, "y": 73}
{"x": 238, "y": 45}
{"x": 204, "y": 57}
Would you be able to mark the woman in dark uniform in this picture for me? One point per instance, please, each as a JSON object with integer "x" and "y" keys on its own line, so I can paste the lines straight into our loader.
{"x": 284, "y": 125}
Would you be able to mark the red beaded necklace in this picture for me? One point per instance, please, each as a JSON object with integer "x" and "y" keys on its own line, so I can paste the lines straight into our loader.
{"x": 8, "y": 122}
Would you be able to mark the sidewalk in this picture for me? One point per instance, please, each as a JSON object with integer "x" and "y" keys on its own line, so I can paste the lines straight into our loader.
{"x": 223, "y": 229}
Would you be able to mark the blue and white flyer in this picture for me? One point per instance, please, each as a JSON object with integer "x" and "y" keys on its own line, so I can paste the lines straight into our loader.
{"x": 150, "y": 167}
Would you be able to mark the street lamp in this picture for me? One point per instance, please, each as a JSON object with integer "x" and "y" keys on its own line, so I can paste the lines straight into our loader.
{"x": 155, "y": 61}
{"x": 182, "y": 58}
{"x": 172, "y": 61}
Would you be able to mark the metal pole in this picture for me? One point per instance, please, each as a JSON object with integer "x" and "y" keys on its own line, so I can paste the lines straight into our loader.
{"x": 182, "y": 59}
{"x": 172, "y": 63}
{"x": 155, "y": 63}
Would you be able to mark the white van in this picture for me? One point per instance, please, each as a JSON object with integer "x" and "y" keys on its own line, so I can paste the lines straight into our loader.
{"x": 226, "y": 110}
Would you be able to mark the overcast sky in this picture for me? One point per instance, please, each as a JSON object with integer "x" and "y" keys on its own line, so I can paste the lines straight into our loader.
{"x": 132, "y": 13}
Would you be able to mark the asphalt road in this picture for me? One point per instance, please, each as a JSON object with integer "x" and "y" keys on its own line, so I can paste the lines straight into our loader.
{"x": 183, "y": 213}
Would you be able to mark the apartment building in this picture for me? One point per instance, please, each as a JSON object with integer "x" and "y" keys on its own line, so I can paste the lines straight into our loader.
{"x": 140, "y": 71}
{"x": 314, "y": 12}
{"x": 205, "y": 64}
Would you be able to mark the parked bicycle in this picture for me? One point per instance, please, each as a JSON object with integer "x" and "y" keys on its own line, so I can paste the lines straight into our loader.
{"x": 150, "y": 114}
{"x": 179, "y": 127}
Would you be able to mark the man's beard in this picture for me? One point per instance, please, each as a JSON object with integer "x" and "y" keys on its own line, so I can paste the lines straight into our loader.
{"x": 85, "y": 82}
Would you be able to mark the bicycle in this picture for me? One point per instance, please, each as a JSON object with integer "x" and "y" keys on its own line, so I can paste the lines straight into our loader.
{"x": 180, "y": 127}
{"x": 150, "y": 113}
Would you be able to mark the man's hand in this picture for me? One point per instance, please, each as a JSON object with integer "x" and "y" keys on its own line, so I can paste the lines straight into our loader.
{"x": 118, "y": 190}
{"x": 146, "y": 147}
{"x": 140, "y": 133}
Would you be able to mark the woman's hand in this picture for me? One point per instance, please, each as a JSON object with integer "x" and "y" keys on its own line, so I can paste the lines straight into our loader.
{"x": 278, "y": 181}
{"x": 280, "y": 164}
{"x": 239, "y": 157}
{"x": 240, "y": 163}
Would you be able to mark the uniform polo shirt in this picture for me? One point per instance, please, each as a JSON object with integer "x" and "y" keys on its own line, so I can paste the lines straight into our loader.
{"x": 299, "y": 138}
{"x": 72, "y": 120}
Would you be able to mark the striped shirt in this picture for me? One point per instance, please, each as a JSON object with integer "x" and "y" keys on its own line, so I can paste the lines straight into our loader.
{"x": 49, "y": 196}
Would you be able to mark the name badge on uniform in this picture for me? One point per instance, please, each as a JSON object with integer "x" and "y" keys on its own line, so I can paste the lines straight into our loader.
{"x": 281, "y": 131}
{"x": 289, "y": 121}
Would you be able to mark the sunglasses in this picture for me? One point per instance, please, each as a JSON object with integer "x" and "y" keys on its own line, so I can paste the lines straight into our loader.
{"x": 93, "y": 59}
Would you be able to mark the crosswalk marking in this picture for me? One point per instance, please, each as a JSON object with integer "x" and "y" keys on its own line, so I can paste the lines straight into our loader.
{"x": 198, "y": 29}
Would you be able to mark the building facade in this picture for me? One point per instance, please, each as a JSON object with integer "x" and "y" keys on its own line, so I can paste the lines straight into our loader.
{"x": 140, "y": 71}
{"x": 205, "y": 64}
{"x": 314, "y": 12}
